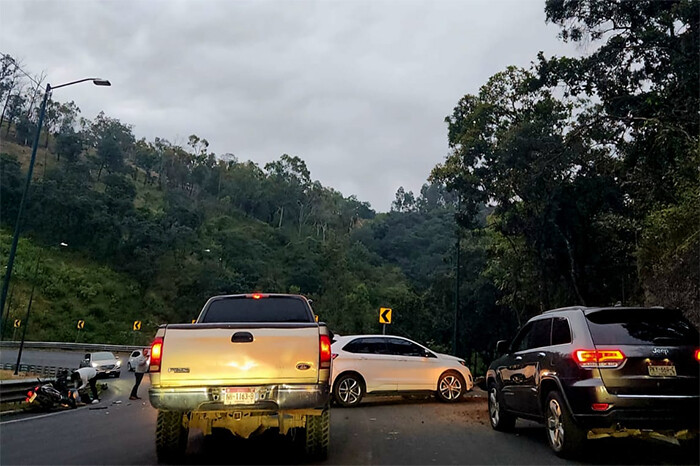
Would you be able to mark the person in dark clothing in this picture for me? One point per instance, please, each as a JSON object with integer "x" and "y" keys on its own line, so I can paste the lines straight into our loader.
{"x": 141, "y": 368}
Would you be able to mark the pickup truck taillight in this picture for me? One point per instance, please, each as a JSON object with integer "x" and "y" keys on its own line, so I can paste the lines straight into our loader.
{"x": 156, "y": 354}
{"x": 324, "y": 344}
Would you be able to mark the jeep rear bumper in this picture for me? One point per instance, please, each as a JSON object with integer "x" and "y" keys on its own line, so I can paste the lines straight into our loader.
{"x": 284, "y": 397}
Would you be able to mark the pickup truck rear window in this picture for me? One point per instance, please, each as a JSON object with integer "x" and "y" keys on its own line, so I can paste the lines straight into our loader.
{"x": 268, "y": 309}
{"x": 641, "y": 327}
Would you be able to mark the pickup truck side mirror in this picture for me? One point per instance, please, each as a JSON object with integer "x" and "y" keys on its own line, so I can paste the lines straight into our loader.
{"x": 502, "y": 347}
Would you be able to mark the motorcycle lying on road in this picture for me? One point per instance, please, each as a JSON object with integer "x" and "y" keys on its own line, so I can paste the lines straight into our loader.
{"x": 50, "y": 394}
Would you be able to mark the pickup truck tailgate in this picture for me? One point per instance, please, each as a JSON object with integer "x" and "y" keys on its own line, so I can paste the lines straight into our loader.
{"x": 231, "y": 356}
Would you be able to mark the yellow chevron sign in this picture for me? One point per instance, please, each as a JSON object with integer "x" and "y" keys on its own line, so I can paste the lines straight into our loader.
{"x": 384, "y": 315}
{"x": 137, "y": 325}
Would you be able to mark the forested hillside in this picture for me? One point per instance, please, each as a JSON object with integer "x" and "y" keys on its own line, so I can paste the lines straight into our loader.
{"x": 574, "y": 181}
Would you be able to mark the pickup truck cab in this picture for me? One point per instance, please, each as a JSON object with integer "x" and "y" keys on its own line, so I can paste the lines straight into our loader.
{"x": 249, "y": 363}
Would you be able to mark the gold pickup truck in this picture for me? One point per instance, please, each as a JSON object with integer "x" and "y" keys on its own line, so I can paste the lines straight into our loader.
{"x": 249, "y": 363}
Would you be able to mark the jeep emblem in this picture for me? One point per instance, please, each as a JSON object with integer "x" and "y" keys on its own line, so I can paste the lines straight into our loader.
{"x": 660, "y": 351}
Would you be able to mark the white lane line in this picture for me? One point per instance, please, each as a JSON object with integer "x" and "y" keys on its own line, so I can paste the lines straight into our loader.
{"x": 40, "y": 416}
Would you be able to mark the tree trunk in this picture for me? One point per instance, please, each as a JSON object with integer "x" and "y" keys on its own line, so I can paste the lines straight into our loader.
{"x": 572, "y": 266}
{"x": 4, "y": 108}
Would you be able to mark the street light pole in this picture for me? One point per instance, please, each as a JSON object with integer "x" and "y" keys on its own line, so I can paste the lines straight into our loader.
{"x": 30, "y": 171}
{"x": 26, "y": 317}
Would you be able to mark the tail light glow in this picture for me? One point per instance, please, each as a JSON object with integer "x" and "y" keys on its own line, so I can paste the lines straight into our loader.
{"x": 324, "y": 344}
{"x": 601, "y": 406}
{"x": 697, "y": 355}
{"x": 258, "y": 295}
{"x": 156, "y": 354}
{"x": 591, "y": 359}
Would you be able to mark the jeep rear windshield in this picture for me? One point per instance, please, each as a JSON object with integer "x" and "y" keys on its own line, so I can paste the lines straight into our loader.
{"x": 266, "y": 309}
{"x": 641, "y": 327}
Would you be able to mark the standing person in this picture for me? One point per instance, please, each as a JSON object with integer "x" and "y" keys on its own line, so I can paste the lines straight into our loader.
{"x": 142, "y": 363}
{"x": 84, "y": 376}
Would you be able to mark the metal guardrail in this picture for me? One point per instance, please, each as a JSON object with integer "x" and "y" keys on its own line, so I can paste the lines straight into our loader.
{"x": 16, "y": 390}
{"x": 57, "y": 345}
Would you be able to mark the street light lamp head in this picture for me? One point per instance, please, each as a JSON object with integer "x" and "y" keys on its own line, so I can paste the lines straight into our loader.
{"x": 101, "y": 82}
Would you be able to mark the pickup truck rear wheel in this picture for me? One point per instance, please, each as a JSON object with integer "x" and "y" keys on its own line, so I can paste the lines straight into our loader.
{"x": 171, "y": 436}
{"x": 318, "y": 434}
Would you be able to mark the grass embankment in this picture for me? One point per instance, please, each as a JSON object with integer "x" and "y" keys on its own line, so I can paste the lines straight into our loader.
{"x": 68, "y": 288}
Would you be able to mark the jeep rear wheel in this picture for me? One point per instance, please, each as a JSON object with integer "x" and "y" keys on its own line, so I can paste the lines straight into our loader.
{"x": 171, "y": 436}
{"x": 564, "y": 436}
{"x": 317, "y": 436}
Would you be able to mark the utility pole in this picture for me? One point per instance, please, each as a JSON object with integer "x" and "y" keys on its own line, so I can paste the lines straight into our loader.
{"x": 456, "y": 313}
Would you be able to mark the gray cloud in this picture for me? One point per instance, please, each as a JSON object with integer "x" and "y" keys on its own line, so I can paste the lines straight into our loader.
{"x": 358, "y": 89}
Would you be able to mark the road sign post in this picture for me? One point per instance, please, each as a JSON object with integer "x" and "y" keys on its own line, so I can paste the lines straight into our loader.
{"x": 79, "y": 326}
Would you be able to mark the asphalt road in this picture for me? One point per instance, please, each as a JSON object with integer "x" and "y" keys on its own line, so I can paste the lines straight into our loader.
{"x": 381, "y": 431}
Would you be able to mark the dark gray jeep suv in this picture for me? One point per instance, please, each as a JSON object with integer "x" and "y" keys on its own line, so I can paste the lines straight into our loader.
{"x": 594, "y": 372}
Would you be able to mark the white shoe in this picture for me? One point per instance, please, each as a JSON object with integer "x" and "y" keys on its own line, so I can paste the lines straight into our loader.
{"x": 95, "y": 401}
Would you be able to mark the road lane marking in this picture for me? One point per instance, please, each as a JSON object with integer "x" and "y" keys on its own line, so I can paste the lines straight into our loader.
{"x": 40, "y": 416}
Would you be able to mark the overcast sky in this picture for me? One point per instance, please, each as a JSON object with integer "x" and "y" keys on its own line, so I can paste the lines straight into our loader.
{"x": 357, "y": 89}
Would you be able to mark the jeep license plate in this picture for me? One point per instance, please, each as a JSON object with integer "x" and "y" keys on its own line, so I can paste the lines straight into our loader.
{"x": 662, "y": 371}
{"x": 239, "y": 396}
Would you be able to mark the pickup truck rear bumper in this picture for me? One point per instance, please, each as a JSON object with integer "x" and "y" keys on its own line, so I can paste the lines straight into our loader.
{"x": 282, "y": 397}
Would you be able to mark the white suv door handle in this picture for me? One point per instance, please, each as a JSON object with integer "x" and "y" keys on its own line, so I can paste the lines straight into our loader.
{"x": 518, "y": 358}
{"x": 541, "y": 354}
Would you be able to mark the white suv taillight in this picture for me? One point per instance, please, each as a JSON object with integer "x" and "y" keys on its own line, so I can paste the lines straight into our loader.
{"x": 603, "y": 359}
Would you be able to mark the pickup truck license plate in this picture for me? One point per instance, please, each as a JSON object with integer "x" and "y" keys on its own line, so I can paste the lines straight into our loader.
{"x": 239, "y": 396}
{"x": 662, "y": 371}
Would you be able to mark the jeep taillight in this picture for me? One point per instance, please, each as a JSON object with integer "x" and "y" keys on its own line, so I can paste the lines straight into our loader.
{"x": 324, "y": 344}
{"x": 590, "y": 359}
{"x": 156, "y": 354}
{"x": 697, "y": 355}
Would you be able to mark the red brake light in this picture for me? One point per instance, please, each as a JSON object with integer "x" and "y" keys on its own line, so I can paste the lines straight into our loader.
{"x": 600, "y": 406}
{"x": 30, "y": 393}
{"x": 591, "y": 359}
{"x": 697, "y": 355}
{"x": 156, "y": 354}
{"x": 258, "y": 296}
{"x": 324, "y": 344}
